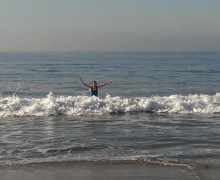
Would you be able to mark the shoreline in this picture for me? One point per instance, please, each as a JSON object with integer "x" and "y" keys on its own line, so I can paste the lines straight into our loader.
{"x": 97, "y": 170}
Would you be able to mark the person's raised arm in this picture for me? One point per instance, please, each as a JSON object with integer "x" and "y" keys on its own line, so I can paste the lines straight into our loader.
{"x": 84, "y": 84}
{"x": 104, "y": 84}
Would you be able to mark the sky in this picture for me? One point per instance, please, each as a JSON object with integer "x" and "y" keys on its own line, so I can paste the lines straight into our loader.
{"x": 109, "y": 25}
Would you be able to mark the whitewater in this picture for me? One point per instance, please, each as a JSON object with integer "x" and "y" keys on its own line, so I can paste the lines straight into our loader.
{"x": 84, "y": 105}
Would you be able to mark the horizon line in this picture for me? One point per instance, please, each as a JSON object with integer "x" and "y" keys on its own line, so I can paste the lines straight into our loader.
{"x": 107, "y": 51}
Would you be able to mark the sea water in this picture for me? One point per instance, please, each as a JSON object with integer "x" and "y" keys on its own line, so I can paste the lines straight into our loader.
{"x": 161, "y": 107}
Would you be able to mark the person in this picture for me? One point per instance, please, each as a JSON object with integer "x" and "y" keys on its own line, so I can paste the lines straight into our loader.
{"x": 93, "y": 87}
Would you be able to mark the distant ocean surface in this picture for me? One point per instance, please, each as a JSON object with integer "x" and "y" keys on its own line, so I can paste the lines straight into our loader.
{"x": 161, "y": 107}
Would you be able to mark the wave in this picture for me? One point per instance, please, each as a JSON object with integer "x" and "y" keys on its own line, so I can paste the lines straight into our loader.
{"x": 60, "y": 156}
{"x": 132, "y": 160}
{"x": 83, "y": 105}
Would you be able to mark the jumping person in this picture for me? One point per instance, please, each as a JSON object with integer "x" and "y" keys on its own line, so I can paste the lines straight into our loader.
{"x": 93, "y": 87}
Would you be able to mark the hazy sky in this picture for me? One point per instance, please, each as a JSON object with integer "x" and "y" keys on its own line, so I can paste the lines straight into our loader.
{"x": 109, "y": 25}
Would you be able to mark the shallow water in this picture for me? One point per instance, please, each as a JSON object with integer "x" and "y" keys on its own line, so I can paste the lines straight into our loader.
{"x": 161, "y": 107}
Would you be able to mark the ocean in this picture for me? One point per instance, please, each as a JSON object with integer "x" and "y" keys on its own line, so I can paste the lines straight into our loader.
{"x": 161, "y": 108}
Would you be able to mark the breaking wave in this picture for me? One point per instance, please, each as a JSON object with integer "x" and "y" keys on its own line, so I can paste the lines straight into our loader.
{"x": 84, "y": 105}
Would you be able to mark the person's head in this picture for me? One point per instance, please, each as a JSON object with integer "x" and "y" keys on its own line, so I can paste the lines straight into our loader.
{"x": 94, "y": 83}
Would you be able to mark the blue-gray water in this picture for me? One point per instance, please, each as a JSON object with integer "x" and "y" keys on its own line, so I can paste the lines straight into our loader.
{"x": 160, "y": 107}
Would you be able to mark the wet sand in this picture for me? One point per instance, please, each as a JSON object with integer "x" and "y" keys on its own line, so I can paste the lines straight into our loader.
{"x": 96, "y": 171}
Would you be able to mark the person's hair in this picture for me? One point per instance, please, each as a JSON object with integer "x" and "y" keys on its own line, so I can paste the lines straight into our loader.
{"x": 94, "y": 82}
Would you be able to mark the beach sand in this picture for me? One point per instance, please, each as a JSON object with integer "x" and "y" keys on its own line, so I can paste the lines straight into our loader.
{"x": 96, "y": 171}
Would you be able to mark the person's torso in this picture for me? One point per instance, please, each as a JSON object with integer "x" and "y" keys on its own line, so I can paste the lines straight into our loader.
{"x": 93, "y": 91}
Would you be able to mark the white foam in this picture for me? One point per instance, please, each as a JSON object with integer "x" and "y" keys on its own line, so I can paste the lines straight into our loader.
{"x": 83, "y": 105}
